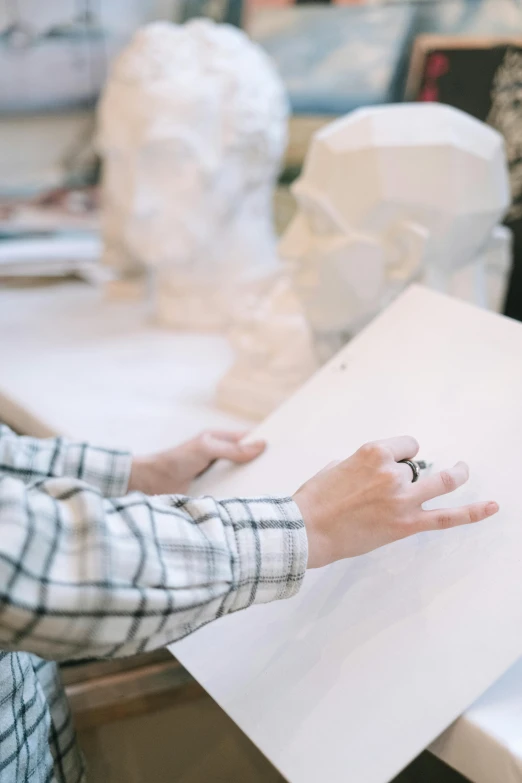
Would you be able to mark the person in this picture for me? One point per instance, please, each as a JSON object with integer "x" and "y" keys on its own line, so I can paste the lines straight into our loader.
{"x": 104, "y": 555}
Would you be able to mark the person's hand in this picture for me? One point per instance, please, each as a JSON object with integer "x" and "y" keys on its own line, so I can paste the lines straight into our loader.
{"x": 369, "y": 500}
{"x": 171, "y": 472}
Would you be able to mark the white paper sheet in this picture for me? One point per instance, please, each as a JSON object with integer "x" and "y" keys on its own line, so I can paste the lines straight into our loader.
{"x": 351, "y": 679}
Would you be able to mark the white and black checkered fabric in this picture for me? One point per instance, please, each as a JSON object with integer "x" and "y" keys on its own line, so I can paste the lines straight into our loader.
{"x": 87, "y": 571}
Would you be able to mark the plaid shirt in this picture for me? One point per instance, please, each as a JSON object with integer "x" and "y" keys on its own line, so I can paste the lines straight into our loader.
{"x": 88, "y": 571}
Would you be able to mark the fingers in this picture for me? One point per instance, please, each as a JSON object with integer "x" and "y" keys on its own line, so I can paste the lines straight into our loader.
{"x": 446, "y": 518}
{"x": 442, "y": 483}
{"x": 231, "y": 436}
{"x": 402, "y": 447}
{"x": 217, "y": 447}
{"x": 397, "y": 449}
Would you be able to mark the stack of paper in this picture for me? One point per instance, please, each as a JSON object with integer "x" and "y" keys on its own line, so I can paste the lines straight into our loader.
{"x": 48, "y": 256}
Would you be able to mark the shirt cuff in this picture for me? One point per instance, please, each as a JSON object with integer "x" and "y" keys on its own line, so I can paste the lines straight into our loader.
{"x": 106, "y": 469}
{"x": 271, "y": 550}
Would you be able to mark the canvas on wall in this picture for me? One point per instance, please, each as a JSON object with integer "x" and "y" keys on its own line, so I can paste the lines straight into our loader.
{"x": 55, "y": 55}
{"x": 54, "y": 58}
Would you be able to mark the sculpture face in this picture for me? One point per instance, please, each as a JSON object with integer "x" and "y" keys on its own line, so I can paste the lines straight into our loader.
{"x": 192, "y": 127}
{"x": 333, "y": 272}
{"x": 166, "y": 202}
{"x": 385, "y": 193}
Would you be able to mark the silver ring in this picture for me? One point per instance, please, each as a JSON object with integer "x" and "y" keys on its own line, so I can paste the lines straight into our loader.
{"x": 414, "y": 467}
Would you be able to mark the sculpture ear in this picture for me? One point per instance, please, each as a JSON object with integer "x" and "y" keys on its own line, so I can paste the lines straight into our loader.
{"x": 407, "y": 243}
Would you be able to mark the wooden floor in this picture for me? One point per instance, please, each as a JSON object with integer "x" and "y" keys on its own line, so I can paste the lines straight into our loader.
{"x": 198, "y": 743}
{"x": 190, "y": 743}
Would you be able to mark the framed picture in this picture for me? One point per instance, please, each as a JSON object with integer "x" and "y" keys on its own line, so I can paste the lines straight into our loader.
{"x": 446, "y": 65}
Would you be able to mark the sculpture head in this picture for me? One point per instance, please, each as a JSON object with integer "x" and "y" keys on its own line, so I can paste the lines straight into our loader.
{"x": 384, "y": 192}
{"x": 192, "y": 129}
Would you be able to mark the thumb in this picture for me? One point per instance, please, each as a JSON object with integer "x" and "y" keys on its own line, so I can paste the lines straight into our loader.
{"x": 235, "y": 452}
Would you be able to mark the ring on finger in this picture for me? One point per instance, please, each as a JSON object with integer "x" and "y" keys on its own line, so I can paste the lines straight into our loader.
{"x": 414, "y": 468}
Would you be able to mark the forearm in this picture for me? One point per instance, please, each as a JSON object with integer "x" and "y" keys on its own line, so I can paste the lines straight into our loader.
{"x": 81, "y": 576}
{"x": 31, "y": 458}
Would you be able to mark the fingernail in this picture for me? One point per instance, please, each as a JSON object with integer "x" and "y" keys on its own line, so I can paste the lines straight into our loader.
{"x": 462, "y": 466}
{"x": 256, "y": 445}
{"x": 491, "y": 509}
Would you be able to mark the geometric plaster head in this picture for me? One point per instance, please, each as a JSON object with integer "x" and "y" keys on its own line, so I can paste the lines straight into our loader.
{"x": 385, "y": 190}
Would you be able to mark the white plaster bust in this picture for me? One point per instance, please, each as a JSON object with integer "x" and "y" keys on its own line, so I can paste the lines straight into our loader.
{"x": 387, "y": 195}
{"x": 192, "y": 127}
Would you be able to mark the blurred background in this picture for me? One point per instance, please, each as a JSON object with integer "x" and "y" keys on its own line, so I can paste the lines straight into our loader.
{"x": 333, "y": 57}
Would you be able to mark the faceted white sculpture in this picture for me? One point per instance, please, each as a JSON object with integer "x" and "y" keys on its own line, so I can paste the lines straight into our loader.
{"x": 192, "y": 129}
{"x": 387, "y": 195}
{"x": 274, "y": 351}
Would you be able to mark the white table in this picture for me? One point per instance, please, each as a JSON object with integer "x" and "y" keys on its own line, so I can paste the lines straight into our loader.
{"x": 71, "y": 362}
{"x": 75, "y": 363}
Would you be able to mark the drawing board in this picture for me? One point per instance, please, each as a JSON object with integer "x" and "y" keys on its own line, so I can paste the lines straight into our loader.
{"x": 377, "y": 655}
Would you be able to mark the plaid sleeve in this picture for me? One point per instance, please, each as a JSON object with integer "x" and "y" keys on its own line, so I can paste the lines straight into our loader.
{"x": 32, "y": 458}
{"x": 84, "y": 576}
